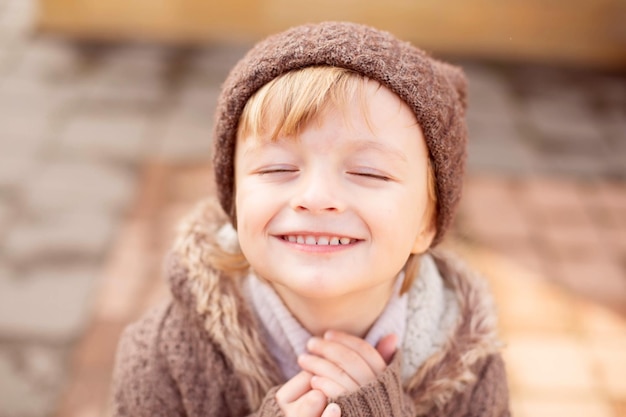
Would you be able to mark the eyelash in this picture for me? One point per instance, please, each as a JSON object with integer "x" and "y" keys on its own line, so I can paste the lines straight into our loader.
{"x": 370, "y": 175}
{"x": 276, "y": 171}
{"x": 359, "y": 174}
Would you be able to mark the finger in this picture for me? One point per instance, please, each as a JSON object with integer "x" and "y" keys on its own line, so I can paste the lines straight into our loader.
{"x": 319, "y": 366}
{"x": 295, "y": 388}
{"x": 366, "y": 351}
{"x": 387, "y": 346}
{"x": 332, "y": 410}
{"x": 329, "y": 387}
{"x": 311, "y": 404}
{"x": 346, "y": 359}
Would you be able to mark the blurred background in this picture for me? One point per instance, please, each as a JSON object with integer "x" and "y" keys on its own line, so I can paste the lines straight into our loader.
{"x": 105, "y": 119}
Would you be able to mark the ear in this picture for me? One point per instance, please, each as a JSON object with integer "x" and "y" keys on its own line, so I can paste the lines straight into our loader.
{"x": 424, "y": 239}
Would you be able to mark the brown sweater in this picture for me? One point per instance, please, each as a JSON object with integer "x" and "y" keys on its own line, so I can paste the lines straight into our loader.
{"x": 200, "y": 355}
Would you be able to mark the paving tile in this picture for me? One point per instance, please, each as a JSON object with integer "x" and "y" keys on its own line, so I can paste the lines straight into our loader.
{"x": 599, "y": 322}
{"x": 6, "y": 57}
{"x": 86, "y": 396}
{"x": 30, "y": 380}
{"x": 110, "y": 135}
{"x": 63, "y": 186}
{"x": 526, "y": 301}
{"x": 152, "y": 179}
{"x": 486, "y": 85}
{"x": 565, "y": 124}
{"x": 550, "y": 364}
{"x": 607, "y": 202}
{"x": 571, "y": 406}
{"x": 49, "y": 304}
{"x": 578, "y": 165}
{"x": 17, "y": 18}
{"x": 216, "y": 61}
{"x": 185, "y": 138}
{"x": 541, "y": 81}
{"x": 490, "y": 213}
{"x": 549, "y": 311}
{"x": 15, "y": 170}
{"x": 610, "y": 359}
{"x": 118, "y": 89}
{"x": 527, "y": 256}
{"x": 149, "y": 61}
{"x": 198, "y": 98}
{"x": 599, "y": 279}
{"x": 551, "y": 193}
{"x": 614, "y": 240}
{"x": 614, "y": 124}
{"x": 96, "y": 350}
{"x": 498, "y": 148}
{"x": 190, "y": 183}
{"x": 125, "y": 273}
{"x": 70, "y": 237}
{"x": 488, "y": 189}
{"x": 27, "y": 121}
{"x": 611, "y": 89}
{"x": 49, "y": 87}
{"x": 169, "y": 219}
{"x": 566, "y": 241}
{"x": 157, "y": 294}
{"x": 5, "y": 214}
{"x": 6, "y": 272}
{"x": 49, "y": 59}
{"x": 129, "y": 74}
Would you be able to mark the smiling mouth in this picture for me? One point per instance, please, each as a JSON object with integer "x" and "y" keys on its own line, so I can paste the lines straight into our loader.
{"x": 319, "y": 240}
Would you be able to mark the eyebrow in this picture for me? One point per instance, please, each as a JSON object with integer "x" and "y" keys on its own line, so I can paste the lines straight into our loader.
{"x": 258, "y": 146}
{"x": 366, "y": 145}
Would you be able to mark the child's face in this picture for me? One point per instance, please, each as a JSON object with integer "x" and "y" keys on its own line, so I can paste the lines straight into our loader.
{"x": 355, "y": 185}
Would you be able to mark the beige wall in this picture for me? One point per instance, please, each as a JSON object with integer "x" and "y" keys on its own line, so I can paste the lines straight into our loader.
{"x": 591, "y": 32}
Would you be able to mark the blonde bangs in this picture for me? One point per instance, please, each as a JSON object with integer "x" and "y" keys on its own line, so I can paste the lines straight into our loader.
{"x": 286, "y": 104}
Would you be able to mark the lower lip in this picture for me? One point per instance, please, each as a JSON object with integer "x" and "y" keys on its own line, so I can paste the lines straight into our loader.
{"x": 318, "y": 248}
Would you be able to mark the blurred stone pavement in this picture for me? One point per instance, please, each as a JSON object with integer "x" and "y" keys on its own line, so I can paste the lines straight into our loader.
{"x": 103, "y": 149}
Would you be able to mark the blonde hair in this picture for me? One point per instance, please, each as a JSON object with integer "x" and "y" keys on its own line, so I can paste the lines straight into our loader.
{"x": 289, "y": 102}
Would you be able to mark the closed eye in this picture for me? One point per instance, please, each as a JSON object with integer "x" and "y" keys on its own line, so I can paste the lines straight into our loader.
{"x": 371, "y": 175}
{"x": 277, "y": 170}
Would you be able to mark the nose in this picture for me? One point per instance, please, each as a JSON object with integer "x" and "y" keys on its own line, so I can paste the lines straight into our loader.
{"x": 318, "y": 193}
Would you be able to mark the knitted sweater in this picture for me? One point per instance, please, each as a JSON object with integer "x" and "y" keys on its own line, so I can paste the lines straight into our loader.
{"x": 202, "y": 354}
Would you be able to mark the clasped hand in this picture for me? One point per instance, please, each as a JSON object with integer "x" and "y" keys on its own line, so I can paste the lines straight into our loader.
{"x": 336, "y": 364}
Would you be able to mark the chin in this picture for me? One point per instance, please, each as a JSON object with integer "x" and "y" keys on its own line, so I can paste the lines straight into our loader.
{"x": 315, "y": 287}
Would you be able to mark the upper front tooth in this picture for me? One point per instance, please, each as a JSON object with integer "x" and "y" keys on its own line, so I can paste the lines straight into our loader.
{"x": 322, "y": 240}
{"x": 334, "y": 240}
{"x": 344, "y": 240}
{"x": 310, "y": 240}
{"x": 300, "y": 239}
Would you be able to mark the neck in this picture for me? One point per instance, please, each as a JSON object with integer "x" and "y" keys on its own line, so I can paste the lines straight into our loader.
{"x": 354, "y": 314}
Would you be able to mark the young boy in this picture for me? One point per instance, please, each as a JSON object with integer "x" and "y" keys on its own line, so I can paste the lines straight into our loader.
{"x": 339, "y": 156}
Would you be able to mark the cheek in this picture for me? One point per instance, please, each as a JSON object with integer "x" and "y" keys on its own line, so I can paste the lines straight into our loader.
{"x": 402, "y": 219}
{"x": 255, "y": 210}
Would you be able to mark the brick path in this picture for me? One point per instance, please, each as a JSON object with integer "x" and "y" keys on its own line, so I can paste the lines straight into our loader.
{"x": 102, "y": 150}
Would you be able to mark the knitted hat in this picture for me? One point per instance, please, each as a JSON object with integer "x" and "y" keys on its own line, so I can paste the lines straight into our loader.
{"x": 434, "y": 90}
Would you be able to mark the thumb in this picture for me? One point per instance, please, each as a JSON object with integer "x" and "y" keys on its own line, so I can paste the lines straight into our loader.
{"x": 387, "y": 347}
{"x": 332, "y": 410}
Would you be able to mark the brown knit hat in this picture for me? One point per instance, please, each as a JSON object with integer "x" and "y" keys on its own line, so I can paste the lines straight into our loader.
{"x": 434, "y": 90}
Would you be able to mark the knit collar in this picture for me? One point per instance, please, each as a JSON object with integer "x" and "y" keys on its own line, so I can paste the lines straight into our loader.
{"x": 286, "y": 338}
{"x": 421, "y": 336}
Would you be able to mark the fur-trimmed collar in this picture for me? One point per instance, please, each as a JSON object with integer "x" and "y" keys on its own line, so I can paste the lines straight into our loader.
{"x": 217, "y": 298}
